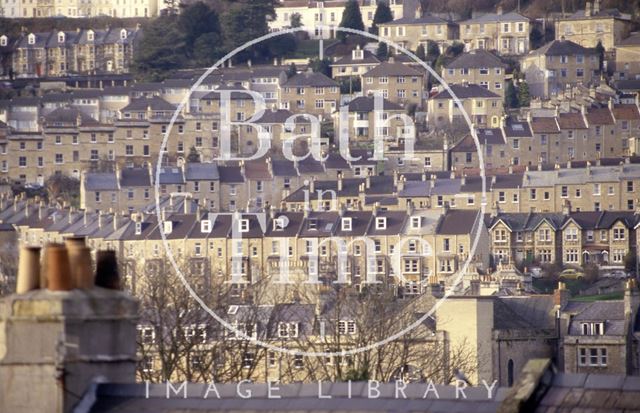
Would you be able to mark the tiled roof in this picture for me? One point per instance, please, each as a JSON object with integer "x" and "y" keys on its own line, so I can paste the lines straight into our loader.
{"x": 544, "y": 125}
{"x": 600, "y": 116}
{"x": 626, "y": 112}
{"x": 571, "y": 121}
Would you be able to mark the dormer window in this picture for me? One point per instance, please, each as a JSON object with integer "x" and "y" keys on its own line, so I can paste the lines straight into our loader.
{"x": 287, "y": 330}
{"x": 346, "y": 327}
{"x": 415, "y": 222}
{"x": 61, "y": 37}
{"x": 90, "y": 35}
{"x": 31, "y": 39}
{"x": 381, "y": 223}
{"x": 244, "y": 225}
{"x": 4, "y": 41}
{"x": 592, "y": 329}
{"x": 279, "y": 223}
{"x": 358, "y": 54}
{"x": 346, "y": 224}
{"x": 138, "y": 228}
{"x": 123, "y": 34}
{"x": 312, "y": 224}
{"x": 167, "y": 227}
{"x": 205, "y": 226}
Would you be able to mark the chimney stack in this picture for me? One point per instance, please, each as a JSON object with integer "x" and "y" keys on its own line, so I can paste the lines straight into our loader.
{"x": 54, "y": 344}
{"x": 561, "y": 295}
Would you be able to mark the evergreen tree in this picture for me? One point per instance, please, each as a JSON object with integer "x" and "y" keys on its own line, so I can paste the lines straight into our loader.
{"x": 536, "y": 38}
{"x": 292, "y": 70}
{"x": 600, "y": 51}
{"x": 193, "y": 156}
{"x": 383, "y": 51}
{"x": 244, "y": 21}
{"x": 511, "y": 96}
{"x": 524, "y": 97}
{"x": 351, "y": 18}
{"x": 455, "y": 49}
{"x": 420, "y": 54}
{"x": 321, "y": 66}
{"x": 296, "y": 20}
{"x": 433, "y": 50}
{"x": 161, "y": 49}
{"x": 382, "y": 15}
{"x": 196, "y": 20}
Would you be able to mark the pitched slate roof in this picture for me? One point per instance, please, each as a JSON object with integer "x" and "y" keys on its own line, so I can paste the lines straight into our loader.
{"x": 131, "y": 177}
{"x": 563, "y": 48}
{"x": 392, "y": 69}
{"x": 495, "y": 17}
{"x": 101, "y": 181}
{"x": 517, "y": 129}
{"x": 154, "y": 103}
{"x": 69, "y": 115}
{"x": 230, "y": 174}
{"x": 201, "y": 172}
{"x": 283, "y": 167}
{"x": 486, "y": 136}
{"x": 457, "y": 222}
{"x": 612, "y": 13}
{"x": 464, "y": 91}
{"x": 476, "y": 59}
{"x": 366, "y": 104}
{"x": 409, "y": 20}
{"x": 237, "y": 92}
{"x": 310, "y": 79}
{"x": 368, "y": 58}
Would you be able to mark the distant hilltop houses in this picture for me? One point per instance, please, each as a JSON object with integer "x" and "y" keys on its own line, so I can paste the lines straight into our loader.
{"x": 80, "y": 8}
{"x": 62, "y": 53}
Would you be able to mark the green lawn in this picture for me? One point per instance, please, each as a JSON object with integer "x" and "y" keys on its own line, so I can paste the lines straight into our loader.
{"x": 600, "y": 297}
{"x": 306, "y": 48}
{"x": 547, "y": 285}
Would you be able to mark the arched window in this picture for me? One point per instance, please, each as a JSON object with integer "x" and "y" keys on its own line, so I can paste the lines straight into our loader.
{"x": 123, "y": 34}
{"x": 3, "y": 41}
{"x": 510, "y": 373}
{"x": 61, "y": 37}
{"x": 31, "y": 39}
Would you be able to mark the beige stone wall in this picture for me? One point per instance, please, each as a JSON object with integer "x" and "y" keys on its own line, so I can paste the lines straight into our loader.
{"x": 588, "y": 32}
{"x": 410, "y": 36}
{"x": 510, "y": 39}
{"x": 403, "y": 90}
